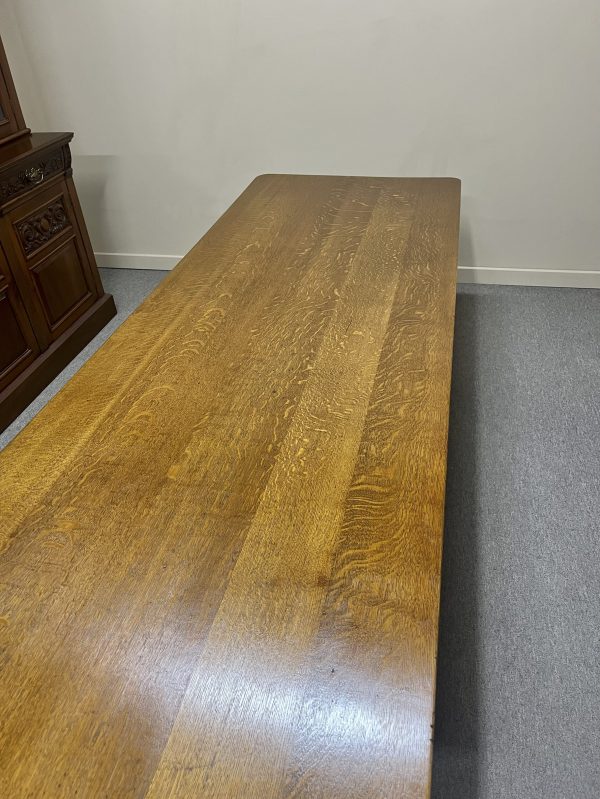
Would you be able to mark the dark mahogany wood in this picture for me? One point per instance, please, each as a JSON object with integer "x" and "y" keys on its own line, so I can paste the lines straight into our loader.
{"x": 51, "y": 297}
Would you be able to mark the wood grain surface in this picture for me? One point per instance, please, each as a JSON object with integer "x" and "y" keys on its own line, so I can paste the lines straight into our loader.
{"x": 220, "y": 543}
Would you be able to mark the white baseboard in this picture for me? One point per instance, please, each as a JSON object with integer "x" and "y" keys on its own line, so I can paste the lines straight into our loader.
{"x": 560, "y": 278}
{"x": 131, "y": 260}
{"x": 573, "y": 278}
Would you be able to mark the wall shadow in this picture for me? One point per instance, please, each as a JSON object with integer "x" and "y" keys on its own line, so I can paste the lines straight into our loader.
{"x": 455, "y": 753}
{"x": 92, "y": 173}
{"x": 466, "y": 250}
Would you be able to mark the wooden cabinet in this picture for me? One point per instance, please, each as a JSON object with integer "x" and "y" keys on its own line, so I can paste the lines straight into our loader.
{"x": 51, "y": 297}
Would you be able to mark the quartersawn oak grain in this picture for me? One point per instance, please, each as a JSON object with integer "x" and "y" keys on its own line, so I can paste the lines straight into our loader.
{"x": 220, "y": 543}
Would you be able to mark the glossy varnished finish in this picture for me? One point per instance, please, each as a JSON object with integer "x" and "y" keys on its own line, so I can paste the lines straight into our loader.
{"x": 221, "y": 541}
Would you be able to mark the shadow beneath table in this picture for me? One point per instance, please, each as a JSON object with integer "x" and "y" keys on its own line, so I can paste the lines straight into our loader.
{"x": 455, "y": 753}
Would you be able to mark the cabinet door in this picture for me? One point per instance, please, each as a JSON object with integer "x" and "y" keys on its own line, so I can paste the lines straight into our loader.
{"x": 18, "y": 345}
{"x": 51, "y": 252}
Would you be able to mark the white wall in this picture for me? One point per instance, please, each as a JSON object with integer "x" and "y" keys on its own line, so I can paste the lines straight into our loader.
{"x": 177, "y": 104}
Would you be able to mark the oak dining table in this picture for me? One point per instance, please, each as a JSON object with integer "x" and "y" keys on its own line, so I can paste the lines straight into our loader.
{"x": 221, "y": 541}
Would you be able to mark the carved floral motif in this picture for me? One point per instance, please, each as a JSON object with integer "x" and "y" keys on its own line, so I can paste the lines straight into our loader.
{"x": 42, "y": 226}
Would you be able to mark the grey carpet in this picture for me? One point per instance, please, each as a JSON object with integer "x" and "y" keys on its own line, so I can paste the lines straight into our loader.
{"x": 518, "y": 713}
{"x": 129, "y": 287}
{"x": 518, "y": 708}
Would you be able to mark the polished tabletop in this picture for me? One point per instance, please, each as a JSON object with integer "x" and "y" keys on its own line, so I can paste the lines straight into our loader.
{"x": 220, "y": 543}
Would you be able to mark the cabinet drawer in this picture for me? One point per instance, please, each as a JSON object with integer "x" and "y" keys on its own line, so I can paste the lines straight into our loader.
{"x": 51, "y": 252}
{"x": 33, "y": 171}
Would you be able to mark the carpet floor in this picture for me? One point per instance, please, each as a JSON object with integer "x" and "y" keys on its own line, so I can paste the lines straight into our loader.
{"x": 518, "y": 694}
{"x": 518, "y": 707}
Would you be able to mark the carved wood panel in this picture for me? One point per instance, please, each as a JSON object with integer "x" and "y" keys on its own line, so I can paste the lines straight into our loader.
{"x": 36, "y": 230}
